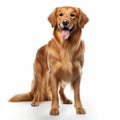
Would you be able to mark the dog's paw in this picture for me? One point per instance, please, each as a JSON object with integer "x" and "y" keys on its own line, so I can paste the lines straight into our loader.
{"x": 80, "y": 110}
{"x": 35, "y": 104}
{"x": 67, "y": 101}
{"x": 54, "y": 111}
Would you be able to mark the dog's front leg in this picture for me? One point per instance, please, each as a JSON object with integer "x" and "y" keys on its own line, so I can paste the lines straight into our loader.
{"x": 55, "y": 100}
{"x": 77, "y": 101}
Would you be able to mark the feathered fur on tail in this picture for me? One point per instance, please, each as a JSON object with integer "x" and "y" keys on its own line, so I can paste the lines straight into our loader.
{"x": 22, "y": 97}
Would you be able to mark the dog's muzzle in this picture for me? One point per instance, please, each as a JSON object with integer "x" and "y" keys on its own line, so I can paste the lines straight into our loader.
{"x": 66, "y": 29}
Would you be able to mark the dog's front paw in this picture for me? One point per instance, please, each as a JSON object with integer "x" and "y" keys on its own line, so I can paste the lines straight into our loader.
{"x": 54, "y": 111}
{"x": 80, "y": 110}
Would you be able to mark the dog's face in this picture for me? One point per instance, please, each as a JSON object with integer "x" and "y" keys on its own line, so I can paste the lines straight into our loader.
{"x": 67, "y": 20}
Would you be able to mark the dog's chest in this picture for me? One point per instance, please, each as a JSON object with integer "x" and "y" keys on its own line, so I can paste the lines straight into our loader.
{"x": 62, "y": 62}
{"x": 67, "y": 64}
{"x": 66, "y": 59}
{"x": 69, "y": 68}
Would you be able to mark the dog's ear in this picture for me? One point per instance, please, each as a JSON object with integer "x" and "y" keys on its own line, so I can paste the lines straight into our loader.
{"x": 52, "y": 18}
{"x": 83, "y": 19}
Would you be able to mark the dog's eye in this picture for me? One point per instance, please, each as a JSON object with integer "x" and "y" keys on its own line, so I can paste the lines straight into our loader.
{"x": 60, "y": 14}
{"x": 72, "y": 15}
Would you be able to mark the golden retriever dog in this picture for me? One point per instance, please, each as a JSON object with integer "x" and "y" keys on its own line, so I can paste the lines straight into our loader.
{"x": 59, "y": 62}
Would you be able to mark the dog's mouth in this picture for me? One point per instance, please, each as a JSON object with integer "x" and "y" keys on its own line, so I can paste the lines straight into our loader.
{"x": 66, "y": 32}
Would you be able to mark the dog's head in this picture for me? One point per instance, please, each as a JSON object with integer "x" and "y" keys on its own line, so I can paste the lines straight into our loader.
{"x": 67, "y": 19}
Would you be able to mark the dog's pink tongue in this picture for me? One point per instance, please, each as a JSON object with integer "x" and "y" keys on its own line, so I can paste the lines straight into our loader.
{"x": 65, "y": 34}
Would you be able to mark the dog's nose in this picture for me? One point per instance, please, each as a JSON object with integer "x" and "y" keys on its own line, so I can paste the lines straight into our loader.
{"x": 65, "y": 22}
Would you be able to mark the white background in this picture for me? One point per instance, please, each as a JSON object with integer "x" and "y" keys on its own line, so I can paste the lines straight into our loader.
{"x": 24, "y": 28}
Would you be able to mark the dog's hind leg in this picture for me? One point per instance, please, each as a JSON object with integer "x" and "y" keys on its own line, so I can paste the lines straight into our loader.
{"x": 38, "y": 95}
{"x": 63, "y": 98}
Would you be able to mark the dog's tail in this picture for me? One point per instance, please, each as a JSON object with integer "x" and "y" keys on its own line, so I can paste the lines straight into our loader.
{"x": 22, "y": 97}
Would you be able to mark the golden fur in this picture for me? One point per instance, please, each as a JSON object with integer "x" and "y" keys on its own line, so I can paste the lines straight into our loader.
{"x": 59, "y": 62}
